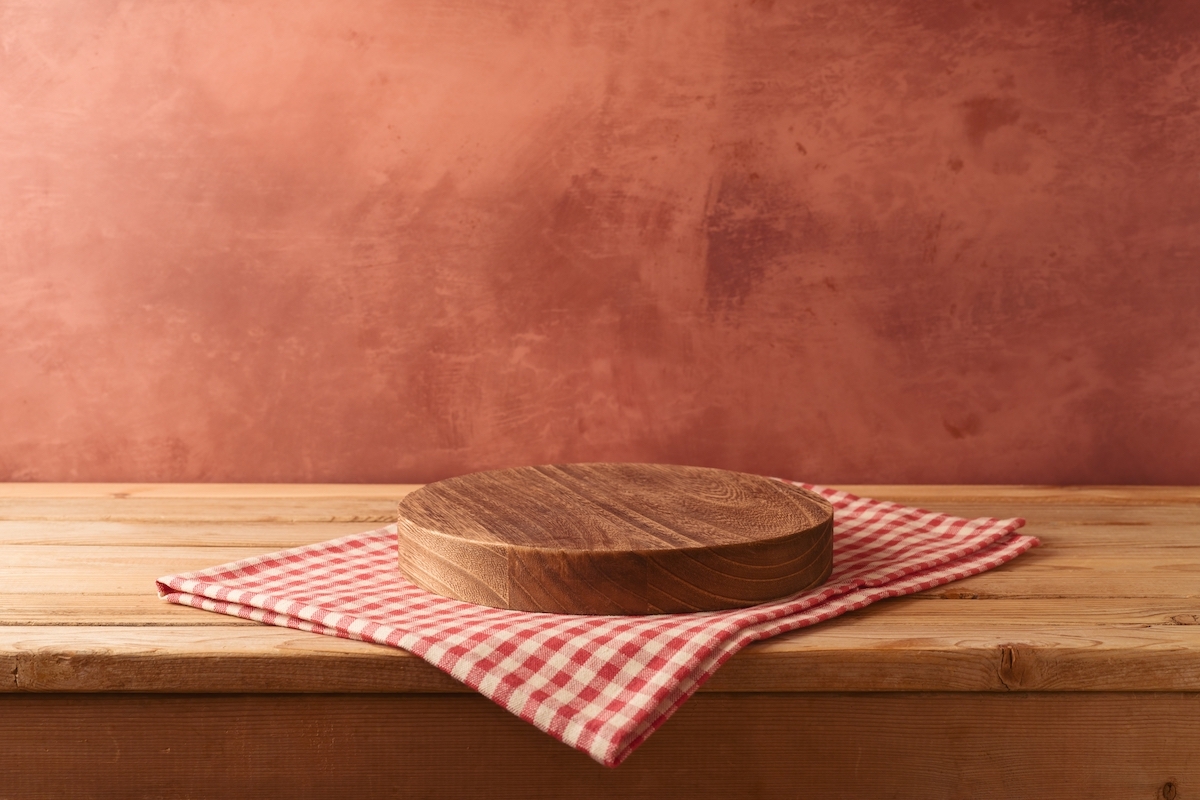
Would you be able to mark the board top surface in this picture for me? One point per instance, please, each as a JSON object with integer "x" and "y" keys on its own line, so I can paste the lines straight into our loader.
{"x": 614, "y": 508}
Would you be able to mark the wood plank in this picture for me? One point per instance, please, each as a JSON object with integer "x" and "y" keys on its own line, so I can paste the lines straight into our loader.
{"x": 65, "y": 608}
{"x": 86, "y": 569}
{"x": 62, "y": 608}
{"x": 368, "y": 511}
{"x": 1078, "y": 516}
{"x": 1054, "y": 496}
{"x": 911, "y": 493}
{"x": 1138, "y": 535}
{"x": 266, "y": 503}
{"x": 206, "y": 659}
{"x": 1073, "y": 534}
{"x": 976, "y": 613}
{"x": 203, "y": 509}
{"x": 266, "y": 536}
{"x": 851, "y": 653}
{"x": 1079, "y": 524}
{"x": 1042, "y": 572}
{"x": 1037, "y": 574}
{"x": 111, "y": 517}
{"x": 254, "y": 491}
{"x": 1019, "y": 657}
{"x": 941, "y": 746}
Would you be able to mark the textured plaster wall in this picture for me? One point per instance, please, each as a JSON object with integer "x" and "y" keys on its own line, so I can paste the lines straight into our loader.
{"x": 355, "y": 240}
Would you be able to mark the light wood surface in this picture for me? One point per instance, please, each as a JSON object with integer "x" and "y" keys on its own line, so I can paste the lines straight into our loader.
{"x": 1109, "y": 601}
{"x": 1074, "y": 668}
{"x": 615, "y": 539}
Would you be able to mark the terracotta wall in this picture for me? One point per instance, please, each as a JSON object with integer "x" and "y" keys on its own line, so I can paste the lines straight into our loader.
{"x": 370, "y": 240}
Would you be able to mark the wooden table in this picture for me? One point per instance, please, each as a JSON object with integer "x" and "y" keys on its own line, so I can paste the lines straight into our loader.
{"x": 1074, "y": 670}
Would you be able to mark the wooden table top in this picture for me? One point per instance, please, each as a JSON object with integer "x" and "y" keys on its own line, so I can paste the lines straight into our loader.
{"x": 1109, "y": 602}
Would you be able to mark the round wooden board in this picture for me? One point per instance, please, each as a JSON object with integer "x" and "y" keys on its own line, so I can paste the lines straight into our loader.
{"x": 615, "y": 539}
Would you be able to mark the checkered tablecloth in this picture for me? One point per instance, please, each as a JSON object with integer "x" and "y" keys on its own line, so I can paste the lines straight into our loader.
{"x": 599, "y": 684}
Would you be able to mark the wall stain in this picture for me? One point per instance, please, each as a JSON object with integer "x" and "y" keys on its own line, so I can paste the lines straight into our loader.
{"x": 963, "y": 427}
{"x": 1154, "y": 29}
{"x": 754, "y": 225}
{"x": 1124, "y": 11}
{"x": 984, "y": 115}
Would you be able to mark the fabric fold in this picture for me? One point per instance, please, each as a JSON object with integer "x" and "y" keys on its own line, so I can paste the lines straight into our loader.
{"x": 600, "y": 684}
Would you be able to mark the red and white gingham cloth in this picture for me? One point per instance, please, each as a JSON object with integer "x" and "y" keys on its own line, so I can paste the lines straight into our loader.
{"x": 599, "y": 684}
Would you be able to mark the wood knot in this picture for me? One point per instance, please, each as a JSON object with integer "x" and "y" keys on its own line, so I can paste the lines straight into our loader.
{"x": 1185, "y": 619}
{"x": 1168, "y": 791}
{"x": 1017, "y": 667}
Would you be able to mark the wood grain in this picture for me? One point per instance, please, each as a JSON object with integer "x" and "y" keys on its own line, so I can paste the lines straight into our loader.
{"x": 910, "y": 746}
{"x": 1106, "y": 602}
{"x": 218, "y": 508}
{"x": 1048, "y": 571}
{"x": 1074, "y": 669}
{"x": 1031, "y": 497}
{"x": 615, "y": 539}
{"x": 145, "y": 609}
{"x": 205, "y": 492}
{"x": 262, "y": 535}
{"x": 869, "y": 650}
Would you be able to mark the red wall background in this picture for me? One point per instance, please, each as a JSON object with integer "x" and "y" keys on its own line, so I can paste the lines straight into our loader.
{"x": 369, "y": 240}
